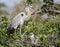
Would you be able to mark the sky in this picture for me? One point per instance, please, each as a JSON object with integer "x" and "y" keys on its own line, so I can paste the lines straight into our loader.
{"x": 10, "y": 3}
{"x": 57, "y": 1}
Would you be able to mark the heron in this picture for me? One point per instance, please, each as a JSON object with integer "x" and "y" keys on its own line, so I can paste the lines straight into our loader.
{"x": 32, "y": 39}
{"x": 19, "y": 20}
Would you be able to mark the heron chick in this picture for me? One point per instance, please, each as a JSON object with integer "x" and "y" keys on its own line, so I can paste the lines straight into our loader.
{"x": 32, "y": 39}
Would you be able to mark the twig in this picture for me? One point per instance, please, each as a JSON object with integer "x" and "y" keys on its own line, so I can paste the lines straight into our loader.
{"x": 37, "y": 12}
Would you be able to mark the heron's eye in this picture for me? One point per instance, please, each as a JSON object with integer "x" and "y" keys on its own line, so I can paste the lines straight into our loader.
{"x": 22, "y": 15}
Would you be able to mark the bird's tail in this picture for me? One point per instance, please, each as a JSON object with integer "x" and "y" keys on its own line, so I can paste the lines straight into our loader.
{"x": 9, "y": 28}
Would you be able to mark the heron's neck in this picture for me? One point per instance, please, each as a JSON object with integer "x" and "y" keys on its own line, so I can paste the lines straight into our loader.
{"x": 28, "y": 13}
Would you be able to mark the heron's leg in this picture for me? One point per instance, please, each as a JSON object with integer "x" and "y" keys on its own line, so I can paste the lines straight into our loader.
{"x": 21, "y": 38}
{"x": 15, "y": 32}
{"x": 20, "y": 35}
{"x": 20, "y": 32}
{"x": 15, "y": 41}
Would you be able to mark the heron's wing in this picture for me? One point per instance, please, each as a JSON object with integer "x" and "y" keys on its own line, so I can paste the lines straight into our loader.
{"x": 16, "y": 21}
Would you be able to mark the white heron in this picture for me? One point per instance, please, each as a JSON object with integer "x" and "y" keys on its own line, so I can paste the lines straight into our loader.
{"x": 19, "y": 19}
{"x": 32, "y": 38}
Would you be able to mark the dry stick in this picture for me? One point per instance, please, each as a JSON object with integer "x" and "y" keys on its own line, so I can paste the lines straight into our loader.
{"x": 56, "y": 11}
{"x": 36, "y": 12}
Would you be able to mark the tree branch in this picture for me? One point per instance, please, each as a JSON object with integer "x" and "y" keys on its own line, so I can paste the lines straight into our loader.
{"x": 38, "y": 12}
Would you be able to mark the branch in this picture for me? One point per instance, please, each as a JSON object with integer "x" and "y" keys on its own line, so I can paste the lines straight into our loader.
{"x": 36, "y": 12}
{"x": 56, "y": 11}
{"x": 39, "y": 12}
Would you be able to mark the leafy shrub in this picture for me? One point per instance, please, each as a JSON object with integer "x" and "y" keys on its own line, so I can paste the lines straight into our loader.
{"x": 46, "y": 32}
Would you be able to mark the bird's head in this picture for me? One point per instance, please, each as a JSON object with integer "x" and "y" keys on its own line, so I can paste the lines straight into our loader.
{"x": 22, "y": 15}
{"x": 31, "y": 34}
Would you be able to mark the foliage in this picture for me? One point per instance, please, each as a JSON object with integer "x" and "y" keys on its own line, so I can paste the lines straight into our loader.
{"x": 3, "y": 25}
{"x": 45, "y": 32}
{"x": 3, "y": 12}
{"x": 2, "y": 5}
{"x": 29, "y": 1}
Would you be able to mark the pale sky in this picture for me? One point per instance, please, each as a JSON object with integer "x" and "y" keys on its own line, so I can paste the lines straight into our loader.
{"x": 57, "y": 1}
{"x": 10, "y": 3}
